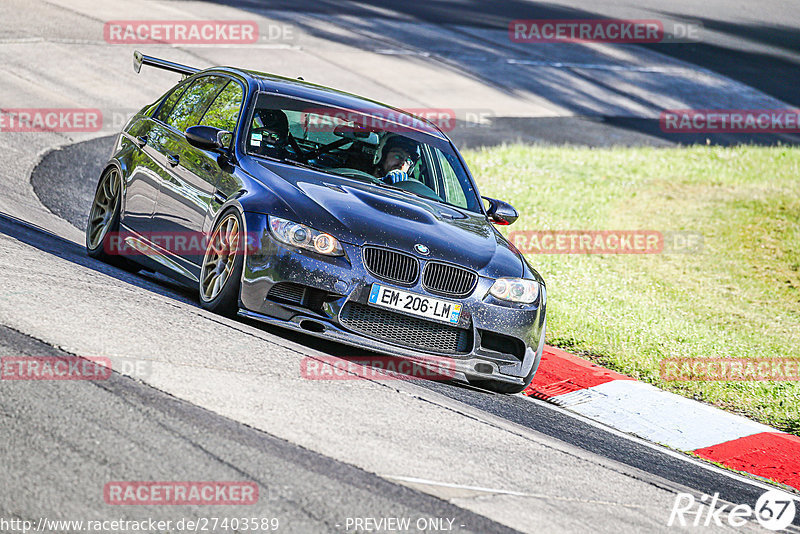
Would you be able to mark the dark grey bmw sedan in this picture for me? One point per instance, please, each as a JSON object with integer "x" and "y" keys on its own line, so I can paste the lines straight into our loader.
{"x": 321, "y": 211}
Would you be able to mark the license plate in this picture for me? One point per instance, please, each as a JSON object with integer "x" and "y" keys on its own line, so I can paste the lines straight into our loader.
{"x": 430, "y": 308}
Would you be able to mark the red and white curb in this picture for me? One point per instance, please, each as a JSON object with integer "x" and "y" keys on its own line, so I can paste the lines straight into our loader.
{"x": 645, "y": 411}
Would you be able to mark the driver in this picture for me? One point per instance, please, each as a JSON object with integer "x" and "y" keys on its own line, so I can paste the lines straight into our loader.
{"x": 396, "y": 158}
{"x": 273, "y": 134}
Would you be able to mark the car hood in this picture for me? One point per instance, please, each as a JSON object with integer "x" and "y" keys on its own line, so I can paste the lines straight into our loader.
{"x": 359, "y": 213}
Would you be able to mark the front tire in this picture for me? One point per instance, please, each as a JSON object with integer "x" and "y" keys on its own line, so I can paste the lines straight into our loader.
{"x": 221, "y": 272}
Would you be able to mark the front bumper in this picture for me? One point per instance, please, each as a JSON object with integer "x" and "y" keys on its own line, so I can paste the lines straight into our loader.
{"x": 336, "y": 282}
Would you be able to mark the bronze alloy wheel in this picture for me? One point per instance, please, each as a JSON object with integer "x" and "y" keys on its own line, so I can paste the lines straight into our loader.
{"x": 220, "y": 258}
{"x": 104, "y": 217}
{"x": 104, "y": 209}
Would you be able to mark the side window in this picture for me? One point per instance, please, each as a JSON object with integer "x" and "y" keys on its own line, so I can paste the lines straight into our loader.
{"x": 169, "y": 102}
{"x": 224, "y": 112}
{"x": 194, "y": 102}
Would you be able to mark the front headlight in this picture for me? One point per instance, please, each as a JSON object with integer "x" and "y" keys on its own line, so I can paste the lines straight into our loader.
{"x": 515, "y": 290}
{"x": 301, "y": 236}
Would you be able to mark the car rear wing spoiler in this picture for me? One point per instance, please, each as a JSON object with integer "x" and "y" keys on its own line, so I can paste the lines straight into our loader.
{"x": 140, "y": 59}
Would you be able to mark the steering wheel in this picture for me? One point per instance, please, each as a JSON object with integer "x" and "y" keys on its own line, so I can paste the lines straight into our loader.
{"x": 356, "y": 174}
{"x": 300, "y": 154}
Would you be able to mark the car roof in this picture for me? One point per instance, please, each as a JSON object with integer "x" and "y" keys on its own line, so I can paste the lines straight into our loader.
{"x": 301, "y": 89}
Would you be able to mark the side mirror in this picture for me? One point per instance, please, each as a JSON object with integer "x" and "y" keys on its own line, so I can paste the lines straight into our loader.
{"x": 500, "y": 212}
{"x": 207, "y": 138}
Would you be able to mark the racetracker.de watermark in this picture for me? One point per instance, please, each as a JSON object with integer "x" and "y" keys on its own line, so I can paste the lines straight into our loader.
{"x": 133, "y": 493}
{"x": 730, "y": 121}
{"x": 377, "y": 368}
{"x": 330, "y": 120}
{"x": 730, "y": 369}
{"x": 180, "y": 243}
{"x": 446, "y": 119}
{"x": 50, "y": 120}
{"x": 606, "y": 241}
{"x": 602, "y": 31}
{"x": 211, "y": 523}
{"x": 54, "y": 368}
{"x": 181, "y": 31}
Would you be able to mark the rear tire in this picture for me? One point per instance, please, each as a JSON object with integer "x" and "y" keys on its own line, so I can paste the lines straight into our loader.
{"x": 103, "y": 222}
{"x": 221, "y": 271}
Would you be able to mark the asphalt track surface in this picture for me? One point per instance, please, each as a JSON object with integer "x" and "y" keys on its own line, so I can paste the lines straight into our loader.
{"x": 162, "y": 438}
{"x": 64, "y": 186}
{"x": 756, "y": 43}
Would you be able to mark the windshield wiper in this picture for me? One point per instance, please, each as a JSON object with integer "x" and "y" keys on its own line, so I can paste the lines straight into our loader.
{"x": 301, "y": 164}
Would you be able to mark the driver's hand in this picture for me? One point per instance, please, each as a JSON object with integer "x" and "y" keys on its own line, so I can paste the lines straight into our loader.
{"x": 396, "y": 176}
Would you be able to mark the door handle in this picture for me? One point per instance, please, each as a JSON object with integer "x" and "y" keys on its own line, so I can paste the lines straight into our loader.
{"x": 141, "y": 140}
{"x": 173, "y": 160}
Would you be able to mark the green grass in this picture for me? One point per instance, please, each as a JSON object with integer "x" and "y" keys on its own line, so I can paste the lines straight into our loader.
{"x": 738, "y": 297}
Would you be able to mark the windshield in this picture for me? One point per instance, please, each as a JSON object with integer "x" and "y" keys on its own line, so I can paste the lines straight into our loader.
{"x": 385, "y": 150}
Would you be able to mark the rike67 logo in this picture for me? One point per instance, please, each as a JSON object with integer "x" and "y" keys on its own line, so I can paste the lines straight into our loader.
{"x": 774, "y": 510}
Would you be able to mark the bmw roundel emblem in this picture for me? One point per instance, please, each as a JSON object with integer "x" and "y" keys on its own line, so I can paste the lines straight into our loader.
{"x": 422, "y": 249}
